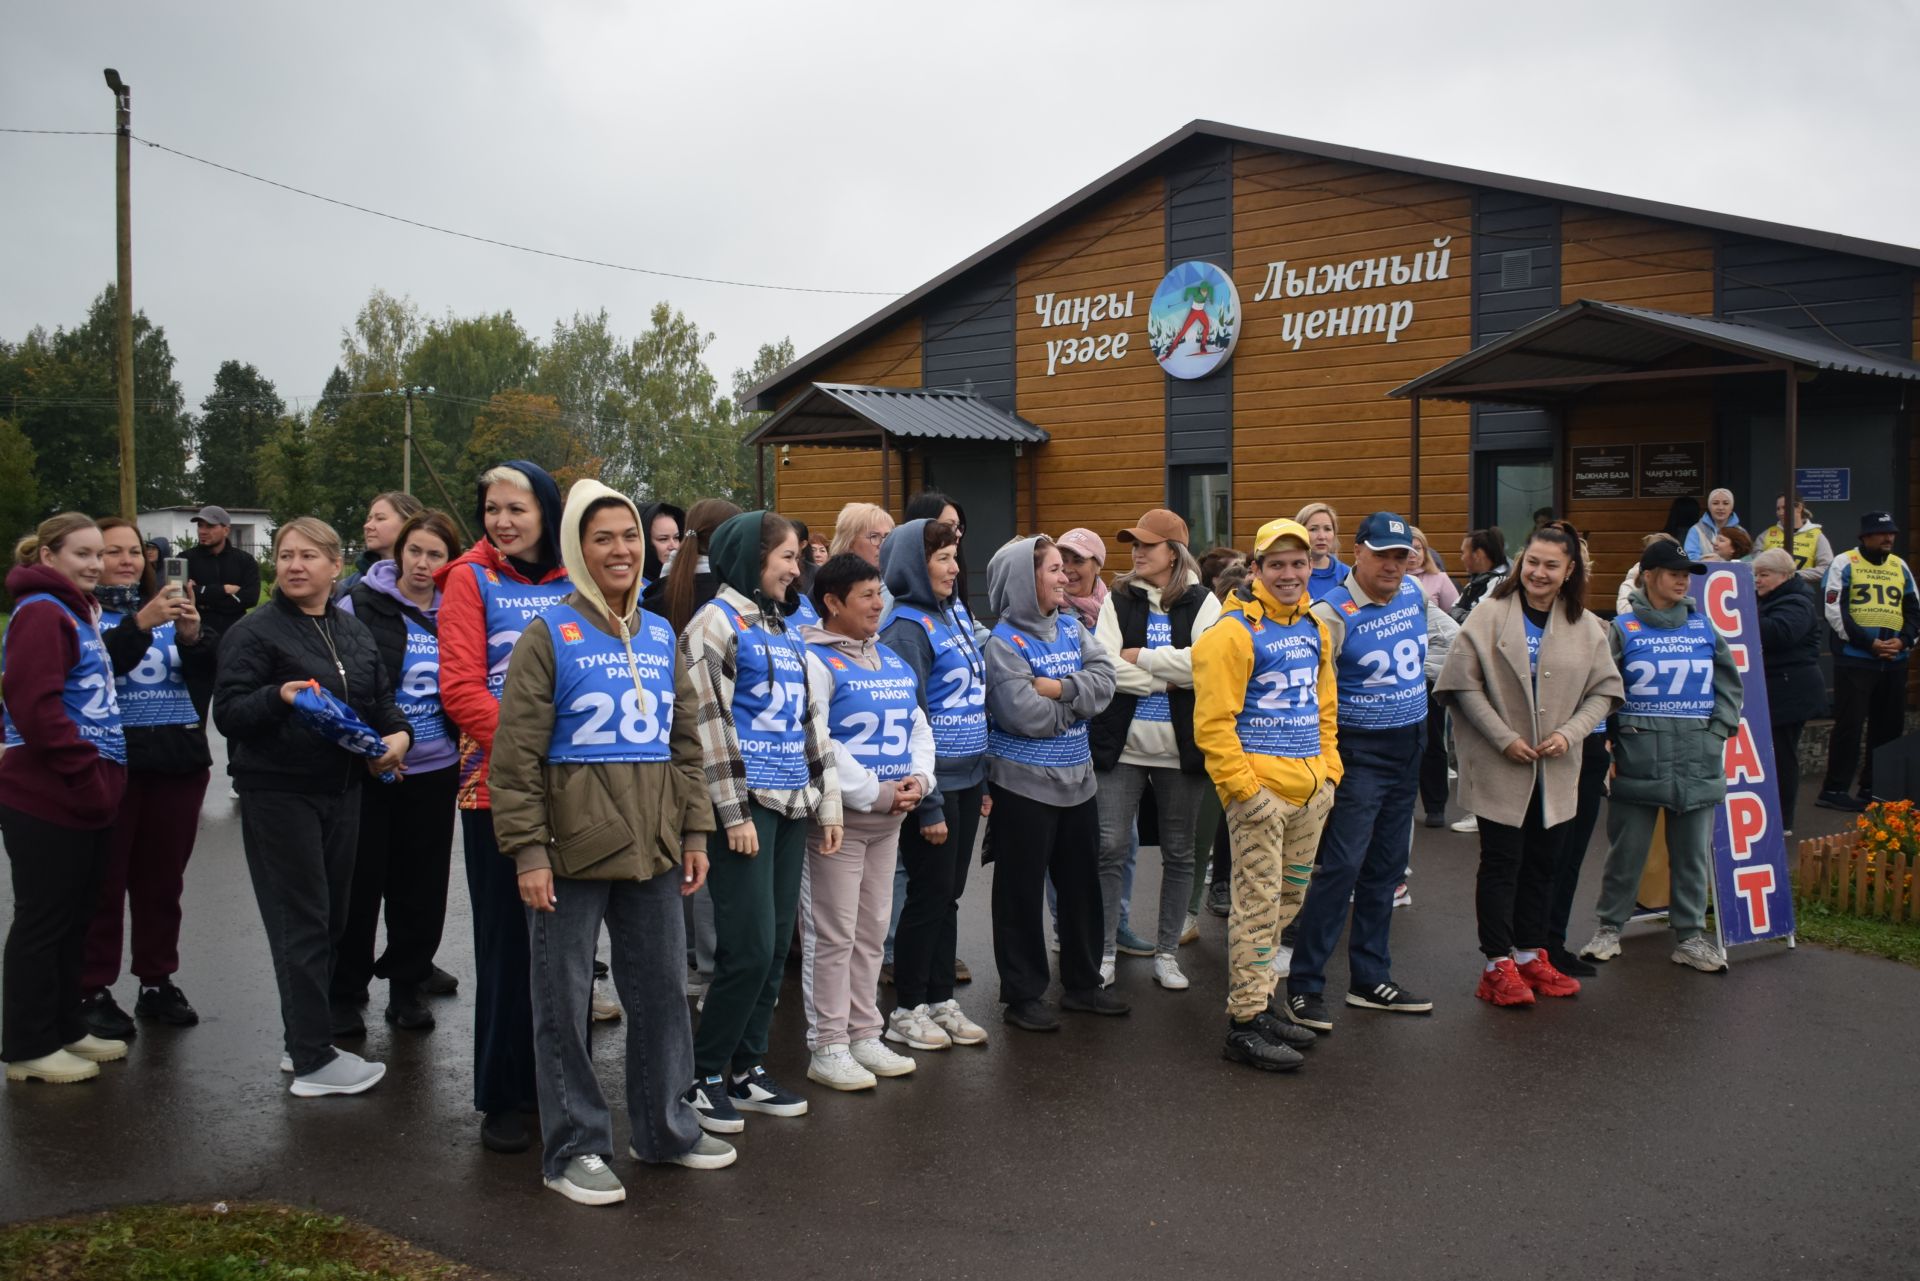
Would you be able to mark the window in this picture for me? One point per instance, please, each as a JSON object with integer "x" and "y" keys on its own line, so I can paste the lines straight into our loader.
{"x": 1204, "y": 499}
{"x": 1511, "y": 487}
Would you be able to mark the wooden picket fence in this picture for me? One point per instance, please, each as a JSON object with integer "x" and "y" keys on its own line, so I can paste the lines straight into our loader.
{"x": 1835, "y": 870}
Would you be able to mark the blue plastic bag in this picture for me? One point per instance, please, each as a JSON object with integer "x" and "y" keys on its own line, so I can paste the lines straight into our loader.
{"x": 339, "y": 724}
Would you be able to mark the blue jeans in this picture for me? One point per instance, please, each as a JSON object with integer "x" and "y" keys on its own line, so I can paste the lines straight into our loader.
{"x": 1363, "y": 853}
{"x": 648, "y": 964}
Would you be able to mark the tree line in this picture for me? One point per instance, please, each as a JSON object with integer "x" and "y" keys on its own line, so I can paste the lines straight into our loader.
{"x": 643, "y": 414}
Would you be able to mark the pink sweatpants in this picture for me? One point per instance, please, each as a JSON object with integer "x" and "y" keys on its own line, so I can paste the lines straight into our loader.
{"x": 845, "y": 901}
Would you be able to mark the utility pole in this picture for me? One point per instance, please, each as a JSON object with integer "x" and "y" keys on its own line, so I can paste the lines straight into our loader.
{"x": 123, "y": 234}
{"x": 406, "y": 447}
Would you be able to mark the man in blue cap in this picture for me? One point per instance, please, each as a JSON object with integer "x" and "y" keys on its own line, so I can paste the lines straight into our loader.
{"x": 1378, "y": 624}
{"x": 1874, "y": 611}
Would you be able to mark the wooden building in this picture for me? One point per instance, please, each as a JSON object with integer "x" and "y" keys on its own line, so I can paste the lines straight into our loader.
{"x": 1549, "y": 347}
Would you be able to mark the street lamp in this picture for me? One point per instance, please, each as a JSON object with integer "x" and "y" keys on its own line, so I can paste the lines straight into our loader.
{"x": 406, "y": 449}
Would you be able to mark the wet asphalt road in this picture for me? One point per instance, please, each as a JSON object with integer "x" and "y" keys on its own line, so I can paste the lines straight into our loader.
{"x": 1664, "y": 1123}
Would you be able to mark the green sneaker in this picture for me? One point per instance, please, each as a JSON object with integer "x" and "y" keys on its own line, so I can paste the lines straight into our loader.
{"x": 588, "y": 1181}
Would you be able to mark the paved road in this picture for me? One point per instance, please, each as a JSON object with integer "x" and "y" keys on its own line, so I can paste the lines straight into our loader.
{"x": 1664, "y": 1123}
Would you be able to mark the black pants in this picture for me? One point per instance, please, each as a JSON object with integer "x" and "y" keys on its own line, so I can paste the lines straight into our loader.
{"x": 406, "y": 849}
{"x": 56, "y": 883}
{"x": 1222, "y": 855}
{"x": 1595, "y": 761}
{"x": 1433, "y": 762}
{"x": 1786, "y": 767}
{"x": 300, "y": 855}
{"x": 923, "y": 948}
{"x": 1514, "y": 887}
{"x": 1034, "y": 841}
{"x": 1870, "y": 697}
{"x": 502, "y": 991}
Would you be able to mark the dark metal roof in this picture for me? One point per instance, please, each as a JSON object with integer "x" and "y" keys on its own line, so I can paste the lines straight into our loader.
{"x": 765, "y": 395}
{"x": 844, "y": 412}
{"x": 1604, "y": 340}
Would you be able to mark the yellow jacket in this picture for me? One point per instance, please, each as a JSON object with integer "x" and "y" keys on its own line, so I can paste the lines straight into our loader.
{"x": 1222, "y": 666}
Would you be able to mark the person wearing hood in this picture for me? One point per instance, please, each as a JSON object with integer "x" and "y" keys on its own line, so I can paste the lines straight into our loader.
{"x": 688, "y": 580}
{"x": 599, "y": 803}
{"x": 883, "y": 754}
{"x": 664, "y": 525}
{"x": 385, "y": 515}
{"x": 1085, "y": 555}
{"x": 1329, "y": 571}
{"x": 299, "y": 789}
{"x": 154, "y": 639}
{"x": 406, "y": 828}
{"x": 61, "y": 779}
{"x": 1145, "y": 735}
{"x": 1047, "y": 676}
{"x": 1669, "y": 739}
{"x": 1874, "y": 611}
{"x": 1812, "y": 553}
{"x": 487, "y": 596}
{"x": 1719, "y": 514}
{"x": 1266, "y": 715}
{"x": 769, "y": 766}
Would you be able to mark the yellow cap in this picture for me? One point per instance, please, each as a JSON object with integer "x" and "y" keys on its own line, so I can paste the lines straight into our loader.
{"x": 1275, "y": 530}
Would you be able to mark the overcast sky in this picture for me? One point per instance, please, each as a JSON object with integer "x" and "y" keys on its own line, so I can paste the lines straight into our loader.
{"x": 840, "y": 146}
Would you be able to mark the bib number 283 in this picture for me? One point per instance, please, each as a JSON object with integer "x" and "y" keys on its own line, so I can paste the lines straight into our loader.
{"x": 640, "y": 719}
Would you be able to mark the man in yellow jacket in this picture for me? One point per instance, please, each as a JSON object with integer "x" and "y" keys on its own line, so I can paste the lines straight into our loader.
{"x": 1265, "y": 714}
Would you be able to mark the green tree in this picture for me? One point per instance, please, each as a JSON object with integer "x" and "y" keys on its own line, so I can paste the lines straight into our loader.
{"x": 285, "y": 468}
{"x": 20, "y": 508}
{"x": 520, "y": 424}
{"x": 770, "y": 360}
{"x": 466, "y": 360}
{"x": 237, "y": 418}
{"x": 682, "y": 438}
{"x": 580, "y": 368}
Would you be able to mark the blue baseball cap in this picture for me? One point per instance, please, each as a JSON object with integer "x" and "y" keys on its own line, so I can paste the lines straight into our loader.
{"x": 1384, "y": 531}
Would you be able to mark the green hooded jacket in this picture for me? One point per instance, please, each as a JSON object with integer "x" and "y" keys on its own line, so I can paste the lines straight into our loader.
{"x": 1675, "y": 762}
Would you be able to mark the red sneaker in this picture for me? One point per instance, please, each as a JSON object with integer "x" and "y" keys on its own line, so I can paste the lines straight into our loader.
{"x": 1503, "y": 985}
{"x": 1540, "y": 975}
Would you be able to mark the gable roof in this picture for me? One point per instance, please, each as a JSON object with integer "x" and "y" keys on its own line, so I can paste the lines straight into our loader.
{"x": 766, "y": 394}
{"x": 836, "y": 411}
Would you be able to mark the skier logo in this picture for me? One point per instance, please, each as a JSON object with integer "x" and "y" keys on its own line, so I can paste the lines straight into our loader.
{"x": 1194, "y": 320}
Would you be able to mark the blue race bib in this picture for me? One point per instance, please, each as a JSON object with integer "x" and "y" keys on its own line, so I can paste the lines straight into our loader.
{"x": 418, "y": 691}
{"x": 872, "y": 711}
{"x": 956, "y": 683}
{"x": 88, "y": 696}
{"x": 509, "y": 605}
{"x": 1535, "y": 635}
{"x": 1154, "y": 707}
{"x": 609, "y": 706}
{"x": 1056, "y": 658}
{"x": 769, "y": 704}
{"x": 804, "y": 616}
{"x": 1281, "y": 713}
{"x": 1381, "y": 665}
{"x": 1668, "y": 672}
{"x": 155, "y": 691}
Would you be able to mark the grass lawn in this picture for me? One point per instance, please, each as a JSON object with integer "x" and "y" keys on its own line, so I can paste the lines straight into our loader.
{"x": 1818, "y": 923}
{"x": 229, "y": 1241}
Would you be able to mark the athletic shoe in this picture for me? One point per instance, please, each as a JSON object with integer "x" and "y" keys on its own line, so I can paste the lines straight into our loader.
{"x": 1839, "y": 801}
{"x": 1282, "y": 1031}
{"x": 166, "y": 1003}
{"x": 1220, "y": 898}
{"x": 588, "y": 1181}
{"x": 1131, "y": 944}
{"x": 286, "y": 1060}
{"x": 1166, "y": 972}
{"x": 406, "y": 1010}
{"x": 1452, "y": 773}
{"x": 1190, "y": 932}
{"x": 961, "y": 974}
{"x": 708, "y": 1098}
{"x": 871, "y": 1053}
{"x": 755, "y": 1091}
{"x": 960, "y": 1029}
{"x": 1467, "y": 824}
{"x": 1401, "y": 897}
{"x": 1502, "y": 985}
{"x": 1699, "y": 952}
{"x": 1246, "y": 1045}
{"x": 104, "y": 1017}
{"x": 347, "y": 1074}
{"x": 605, "y": 1008}
{"x": 833, "y": 1067}
{"x": 58, "y": 1068}
{"x": 600, "y": 969}
{"x": 97, "y": 1049}
{"x": 1388, "y": 996}
{"x": 347, "y": 1022}
{"x": 1098, "y": 1001}
{"x": 1282, "y": 961}
{"x": 917, "y": 1029}
{"x": 1567, "y": 963}
{"x": 1034, "y": 1015}
{"x": 1540, "y": 975}
{"x": 707, "y": 1153}
{"x": 440, "y": 983}
{"x": 1603, "y": 946}
{"x": 1106, "y": 971}
{"x": 1309, "y": 1009}
{"x": 1436, "y": 818}
{"x": 504, "y": 1131}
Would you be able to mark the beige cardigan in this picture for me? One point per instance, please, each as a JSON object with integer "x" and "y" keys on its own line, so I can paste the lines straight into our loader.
{"x": 1487, "y": 686}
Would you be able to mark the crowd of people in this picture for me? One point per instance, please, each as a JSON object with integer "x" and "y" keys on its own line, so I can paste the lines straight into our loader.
{"x": 697, "y": 733}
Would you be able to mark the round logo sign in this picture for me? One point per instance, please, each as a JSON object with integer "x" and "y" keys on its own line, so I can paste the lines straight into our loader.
{"x": 1194, "y": 320}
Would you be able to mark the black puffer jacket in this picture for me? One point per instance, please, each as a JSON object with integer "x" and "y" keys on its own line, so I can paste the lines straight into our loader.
{"x": 268, "y": 748}
{"x": 1792, "y": 634}
{"x": 163, "y": 749}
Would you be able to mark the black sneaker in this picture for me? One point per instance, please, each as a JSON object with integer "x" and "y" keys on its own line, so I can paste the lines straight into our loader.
{"x": 1220, "y": 898}
{"x": 1567, "y": 963}
{"x": 708, "y": 1099}
{"x": 440, "y": 983}
{"x": 1309, "y": 1009}
{"x": 347, "y": 1022}
{"x": 505, "y": 1131}
{"x": 406, "y": 1010}
{"x": 1098, "y": 1001}
{"x": 1839, "y": 801}
{"x": 1034, "y": 1016}
{"x": 1246, "y": 1045}
{"x": 1282, "y": 1031}
{"x": 600, "y": 970}
{"x": 166, "y": 1003}
{"x": 104, "y": 1017}
{"x": 758, "y": 1092}
{"x": 1388, "y": 996}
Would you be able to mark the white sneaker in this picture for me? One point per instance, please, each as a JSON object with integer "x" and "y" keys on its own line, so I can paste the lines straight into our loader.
{"x": 1401, "y": 898}
{"x": 58, "y": 1068}
{"x": 1106, "y": 971}
{"x": 286, "y": 1060}
{"x": 605, "y": 1008}
{"x": 1467, "y": 824}
{"x": 348, "y": 1073}
{"x": 1282, "y": 961}
{"x": 1190, "y": 932}
{"x": 917, "y": 1029}
{"x": 959, "y": 1028}
{"x": 872, "y": 1054}
{"x": 98, "y": 1049}
{"x": 1166, "y": 972}
{"x": 833, "y": 1067}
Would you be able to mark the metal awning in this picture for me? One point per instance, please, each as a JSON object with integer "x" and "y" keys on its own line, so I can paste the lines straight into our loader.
{"x": 854, "y": 416}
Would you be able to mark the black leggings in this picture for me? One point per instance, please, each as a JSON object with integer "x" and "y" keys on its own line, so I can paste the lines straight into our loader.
{"x": 1514, "y": 887}
{"x": 923, "y": 948}
{"x": 56, "y": 883}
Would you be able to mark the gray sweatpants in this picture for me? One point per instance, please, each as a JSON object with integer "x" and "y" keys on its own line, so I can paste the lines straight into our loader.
{"x": 1689, "y": 863}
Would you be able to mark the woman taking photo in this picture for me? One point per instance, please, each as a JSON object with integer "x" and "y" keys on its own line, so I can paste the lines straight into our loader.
{"x": 769, "y": 771}
{"x": 1792, "y": 637}
{"x": 599, "y": 803}
{"x": 156, "y": 643}
{"x": 488, "y": 595}
{"x": 1046, "y": 676}
{"x": 406, "y": 828}
{"x": 1528, "y": 678}
{"x": 385, "y": 515}
{"x": 61, "y": 779}
{"x": 1323, "y": 526}
{"x": 299, "y": 792}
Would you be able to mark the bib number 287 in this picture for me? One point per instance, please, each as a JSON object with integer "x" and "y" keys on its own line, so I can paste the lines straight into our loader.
{"x": 1403, "y": 664}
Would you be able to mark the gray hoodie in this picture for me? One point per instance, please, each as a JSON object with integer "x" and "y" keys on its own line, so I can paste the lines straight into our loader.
{"x": 903, "y": 565}
{"x": 1012, "y": 704}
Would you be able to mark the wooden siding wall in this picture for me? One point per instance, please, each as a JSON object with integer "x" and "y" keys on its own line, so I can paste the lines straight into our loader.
{"x": 820, "y": 481}
{"x": 1315, "y": 425}
{"x": 1615, "y": 527}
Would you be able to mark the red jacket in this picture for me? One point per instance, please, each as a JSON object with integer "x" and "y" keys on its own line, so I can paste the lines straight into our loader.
{"x": 54, "y": 775}
{"x": 462, "y": 624}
